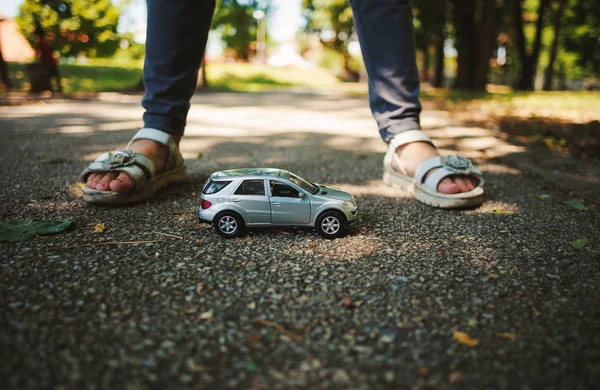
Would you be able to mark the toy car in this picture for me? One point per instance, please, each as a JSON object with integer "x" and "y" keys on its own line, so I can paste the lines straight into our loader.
{"x": 236, "y": 199}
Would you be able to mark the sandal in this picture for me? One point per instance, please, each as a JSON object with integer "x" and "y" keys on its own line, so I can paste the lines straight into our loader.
{"x": 424, "y": 185}
{"x": 139, "y": 167}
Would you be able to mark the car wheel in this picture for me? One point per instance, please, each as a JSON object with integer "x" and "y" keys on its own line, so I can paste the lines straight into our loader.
{"x": 331, "y": 224}
{"x": 229, "y": 224}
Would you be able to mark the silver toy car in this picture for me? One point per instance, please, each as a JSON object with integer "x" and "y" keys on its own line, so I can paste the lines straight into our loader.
{"x": 235, "y": 199}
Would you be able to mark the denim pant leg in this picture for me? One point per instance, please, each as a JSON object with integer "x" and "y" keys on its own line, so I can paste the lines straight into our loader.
{"x": 385, "y": 32}
{"x": 175, "y": 41}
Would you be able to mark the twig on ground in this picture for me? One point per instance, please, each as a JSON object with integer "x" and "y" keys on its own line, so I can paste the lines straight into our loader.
{"x": 168, "y": 235}
{"x": 200, "y": 241}
{"x": 112, "y": 243}
{"x": 183, "y": 211}
{"x": 28, "y": 260}
{"x": 280, "y": 328}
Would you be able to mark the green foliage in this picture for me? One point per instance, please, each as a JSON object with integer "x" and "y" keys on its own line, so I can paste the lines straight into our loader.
{"x": 581, "y": 33}
{"x": 333, "y": 17}
{"x": 238, "y": 28}
{"x": 73, "y": 27}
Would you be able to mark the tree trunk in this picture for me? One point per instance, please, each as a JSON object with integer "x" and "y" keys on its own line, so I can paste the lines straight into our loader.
{"x": 426, "y": 61}
{"x": 464, "y": 22}
{"x": 549, "y": 75}
{"x": 4, "y": 72}
{"x": 438, "y": 76}
{"x": 487, "y": 42}
{"x": 528, "y": 61}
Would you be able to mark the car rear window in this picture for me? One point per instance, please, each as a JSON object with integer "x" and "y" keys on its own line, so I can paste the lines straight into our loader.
{"x": 212, "y": 187}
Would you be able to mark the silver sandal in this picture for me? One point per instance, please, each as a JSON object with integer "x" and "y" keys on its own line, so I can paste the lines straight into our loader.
{"x": 139, "y": 167}
{"x": 424, "y": 185}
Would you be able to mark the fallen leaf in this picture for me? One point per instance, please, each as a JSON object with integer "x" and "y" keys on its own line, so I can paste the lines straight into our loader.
{"x": 24, "y": 229}
{"x": 578, "y": 244}
{"x": 508, "y": 336}
{"x": 99, "y": 228}
{"x": 497, "y": 210}
{"x": 334, "y": 166}
{"x": 493, "y": 276}
{"x": 423, "y": 370}
{"x": 346, "y": 302}
{"x": 200, "y": 155}
{"x": 465, "y": 339}
{"x": 544, "y": 196}
{"x": 456, "y": 377}
{"x": 207, "y": 315}
{"x": 575, "y": 204}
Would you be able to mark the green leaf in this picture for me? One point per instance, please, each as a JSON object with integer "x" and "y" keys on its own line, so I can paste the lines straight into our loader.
{"x": 580, "y": 243}
{"x": 576, "y": 204}
{"x": 543, "y": 196}
{"x": 497, "y": 210}
{"x": 24, "y": 229}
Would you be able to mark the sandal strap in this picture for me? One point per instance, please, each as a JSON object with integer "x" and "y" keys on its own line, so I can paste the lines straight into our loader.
{"x": 391, "y": 160}
{"x": 444, "y": 167}
{"x": 174, "y": 158}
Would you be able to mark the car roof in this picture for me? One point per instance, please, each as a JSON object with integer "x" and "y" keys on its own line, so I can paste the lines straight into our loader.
{"x": 245, "y": 172}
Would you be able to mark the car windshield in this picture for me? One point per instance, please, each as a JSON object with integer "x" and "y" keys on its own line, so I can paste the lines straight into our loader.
{"x": 300, "y": 182}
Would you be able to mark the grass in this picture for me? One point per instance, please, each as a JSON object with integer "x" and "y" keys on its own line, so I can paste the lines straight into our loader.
{"x": 84, "y": 78}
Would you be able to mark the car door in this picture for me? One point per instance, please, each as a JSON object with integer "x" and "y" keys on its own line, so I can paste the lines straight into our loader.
{"x": 288, "y": 207}
{"x": 251, "y": 197}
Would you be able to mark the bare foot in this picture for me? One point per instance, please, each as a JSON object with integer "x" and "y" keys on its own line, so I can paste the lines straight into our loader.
{"x": 120, "y": 181}
{"x": 413, "y": 154}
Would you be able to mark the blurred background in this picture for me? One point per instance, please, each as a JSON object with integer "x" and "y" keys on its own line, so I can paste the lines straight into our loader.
{"x": 494, "y": 46}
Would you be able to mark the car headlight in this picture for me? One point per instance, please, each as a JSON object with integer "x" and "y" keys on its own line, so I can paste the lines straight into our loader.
{"x": 349, "y": 206}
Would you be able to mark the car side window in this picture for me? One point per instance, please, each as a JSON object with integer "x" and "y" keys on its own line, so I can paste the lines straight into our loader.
{"x": 251, "y": 187}
{"x": 283, "y": 190}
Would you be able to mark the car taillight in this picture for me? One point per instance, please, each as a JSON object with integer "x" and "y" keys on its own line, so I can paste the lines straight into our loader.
{"x": 205, "y": 204}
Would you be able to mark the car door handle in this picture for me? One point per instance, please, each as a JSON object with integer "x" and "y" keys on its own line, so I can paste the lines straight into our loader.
{"x": 236, "y": 199}
{"x": 276, "y": 203}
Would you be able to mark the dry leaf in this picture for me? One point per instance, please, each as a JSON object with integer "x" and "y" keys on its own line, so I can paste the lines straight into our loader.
{"x": 465, "y": 339}
{"x": 493, "y": 276}
{"x": 508, "y": 336}
{"x": 423, "y": 370}
{"x": 99, "y": 228}
{"x": 346, "y": 302}
{"x": 456, "y": 377}
{"x": 497, "y": 210}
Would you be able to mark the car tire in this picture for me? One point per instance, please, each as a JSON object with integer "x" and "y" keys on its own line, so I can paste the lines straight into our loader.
{"x": 331, "y": 224}
{"x": 229, "y": 224}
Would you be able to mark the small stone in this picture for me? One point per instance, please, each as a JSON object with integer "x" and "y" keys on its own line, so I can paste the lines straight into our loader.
{"x": 340, "y": 377}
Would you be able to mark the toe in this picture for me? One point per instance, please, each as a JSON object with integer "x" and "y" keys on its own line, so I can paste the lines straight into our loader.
{"x": 471, "y": 182}
{"x": 448, "y": 186}
{"x": 121, "y": 183}
{"x": 103, "y": 185}
{"x": 462, "y": 183}
{"x": 91, "y": 180}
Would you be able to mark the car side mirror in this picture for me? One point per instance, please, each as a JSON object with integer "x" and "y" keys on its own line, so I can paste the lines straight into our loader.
{"x": 302, "y": 195}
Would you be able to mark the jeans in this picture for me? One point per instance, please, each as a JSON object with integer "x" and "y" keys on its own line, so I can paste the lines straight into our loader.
{"x": 176, "y": 38}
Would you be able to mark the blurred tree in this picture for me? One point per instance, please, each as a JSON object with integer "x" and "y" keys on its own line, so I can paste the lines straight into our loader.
{"x": 474, "y": 25}
{"x": 529, "y": 59}
{"x": 430, "y": 28}
{"x": 581, "y": 33}
{"x": 549, "y": 74}
{"x": 73, "y": 27}
{"x": 3, "y": 68}
{"x": 333, "y": 21}
{"x": 233, "y": 18}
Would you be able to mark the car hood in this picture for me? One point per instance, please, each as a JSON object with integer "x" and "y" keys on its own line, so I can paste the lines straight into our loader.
{"x": 333, "y": 193}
